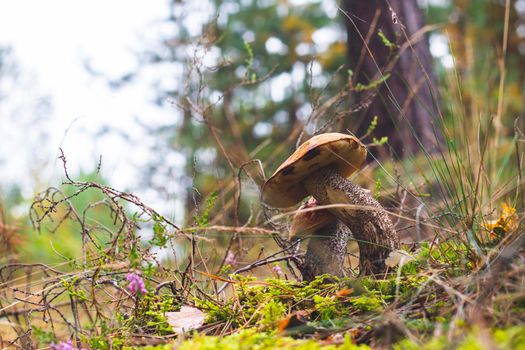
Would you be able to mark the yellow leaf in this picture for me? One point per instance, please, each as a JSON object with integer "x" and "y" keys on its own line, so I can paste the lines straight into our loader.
{"x": 506, "y": 222}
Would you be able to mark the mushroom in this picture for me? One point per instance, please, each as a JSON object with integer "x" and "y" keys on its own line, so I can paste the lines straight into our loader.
{"x": 320, "y": 225}
{"x": 320, "y": 167}
{"x": 308, "y": 220}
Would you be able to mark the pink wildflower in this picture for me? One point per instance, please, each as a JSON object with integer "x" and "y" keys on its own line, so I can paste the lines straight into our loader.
{"x": 230, "y": 259}
{"x": 62, "y": 345}
{"x": 136, "y": 283}
{"x": 277, "y": 269}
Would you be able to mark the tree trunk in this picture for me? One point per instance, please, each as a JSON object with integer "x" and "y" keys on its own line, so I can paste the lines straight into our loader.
{"x": 405, "y": 104}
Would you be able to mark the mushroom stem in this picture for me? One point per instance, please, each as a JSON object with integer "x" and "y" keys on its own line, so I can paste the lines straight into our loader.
{"x": 370, "y": 226}
{"x": 326, "y": 251}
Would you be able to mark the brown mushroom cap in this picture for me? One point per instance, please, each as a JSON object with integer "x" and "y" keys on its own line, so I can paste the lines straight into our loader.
{"x": 285, "y": 188}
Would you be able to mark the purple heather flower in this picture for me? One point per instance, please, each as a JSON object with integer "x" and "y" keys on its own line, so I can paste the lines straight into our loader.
{"x": 230, "y": 259}
{"x": 277, "y": 269}
{"x": 62, "y": 345}
{"x": 136, "y": 283}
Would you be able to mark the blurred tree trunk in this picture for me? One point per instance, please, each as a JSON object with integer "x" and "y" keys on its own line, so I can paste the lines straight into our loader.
{"x": 405, "y": 106}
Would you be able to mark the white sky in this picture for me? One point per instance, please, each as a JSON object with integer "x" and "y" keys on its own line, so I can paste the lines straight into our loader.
{"x": 51, "y": 40}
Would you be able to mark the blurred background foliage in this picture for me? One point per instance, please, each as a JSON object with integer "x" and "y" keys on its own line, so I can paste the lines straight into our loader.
{"x": 475, "y": 30}
{"x": 58, "y": 240}
{"x": 248, "y": 83}
{"x": 302, "y": 47}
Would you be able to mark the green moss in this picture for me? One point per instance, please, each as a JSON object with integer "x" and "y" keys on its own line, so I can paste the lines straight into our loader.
{"x": 371, "y": 301}
{"x": 508, "y": 338}
{"x": 271, "y": 312}
{"x": 215, "y": 312}
{"x": 327, "y": 305}
{"x": 250, "y": 339}
{"x": 511, "y": 338}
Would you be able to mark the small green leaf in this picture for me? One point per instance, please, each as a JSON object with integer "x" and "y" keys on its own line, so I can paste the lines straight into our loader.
{"x": 386, "y": 41}
{"x": 373, "y": 84}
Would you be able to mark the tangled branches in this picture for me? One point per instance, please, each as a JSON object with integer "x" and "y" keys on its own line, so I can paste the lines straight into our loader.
{"x": 121, "y": 282}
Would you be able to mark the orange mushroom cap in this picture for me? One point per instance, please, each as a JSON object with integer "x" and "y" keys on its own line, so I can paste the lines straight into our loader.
{"x": 285, "y": 188}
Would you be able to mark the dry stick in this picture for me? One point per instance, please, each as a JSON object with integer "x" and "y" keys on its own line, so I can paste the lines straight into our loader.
{"x": 418, "y": 221}
{"x": 371, "y": 94}
{"x": 112, "y": 194}
{"x": 497, "y": 120}
{"x": 261, "y": 262}
{"x": 234, "y": 125}
{"x": 421, "y": 66}
{"x": 519, "y": 160}
{"x": 259, "y": 181}
{"x": 252, "y": 230}
{"x": 27, "y": 299}
{"x": 290, "y": 139}
{"x": 362, "y": 207}
{"x": 50, "y": 278}
{"x": 28, "y": 310}
{"x": 229, "y": 203}
{"x": 390, "y": 65}
{"x": 19, "y": 337}
{"x": 237, "y": 201}
{"x": 412, "y": 94}
{"x": 401, "y": 205}
{"x": 315, "y": 115}
{"x": 361, "y": 58}
{"x": 478, "y": 182}
{"x": 50, "y": 285}
{"x": 47, "y": 306}
{"x": 264, "y": 261}
{"x": 75, "y": 315}
{"x": 203, "y": 262}
{"x": 48, "y": 289}
{"x": 203, "y": 111}
{"x": 212, "y": 129}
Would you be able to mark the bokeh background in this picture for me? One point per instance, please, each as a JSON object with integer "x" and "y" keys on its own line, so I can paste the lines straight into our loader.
{"x": 120, "y": 88}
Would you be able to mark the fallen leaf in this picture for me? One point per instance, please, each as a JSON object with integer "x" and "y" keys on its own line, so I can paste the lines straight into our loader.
{"x": 295, "y": 323}
{"x": 344, "y": 292}
{"x": 504, "y": 224}
{"x": 187, "y": 319}
{"x": 283, "y": 323}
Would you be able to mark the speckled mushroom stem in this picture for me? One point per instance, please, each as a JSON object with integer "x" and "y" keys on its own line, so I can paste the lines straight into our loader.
{"x": 326, "y": 251}
{"x": 372, "y": 229}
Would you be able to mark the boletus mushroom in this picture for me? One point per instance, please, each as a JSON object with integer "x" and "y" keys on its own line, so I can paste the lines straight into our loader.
{"x": 320, "y": 167}
{"x": 326, "y": 235}
{"x": 309, "y": 219}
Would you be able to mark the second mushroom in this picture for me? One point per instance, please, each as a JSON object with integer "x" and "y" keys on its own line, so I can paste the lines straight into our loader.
{"x": 320, "y": 167}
